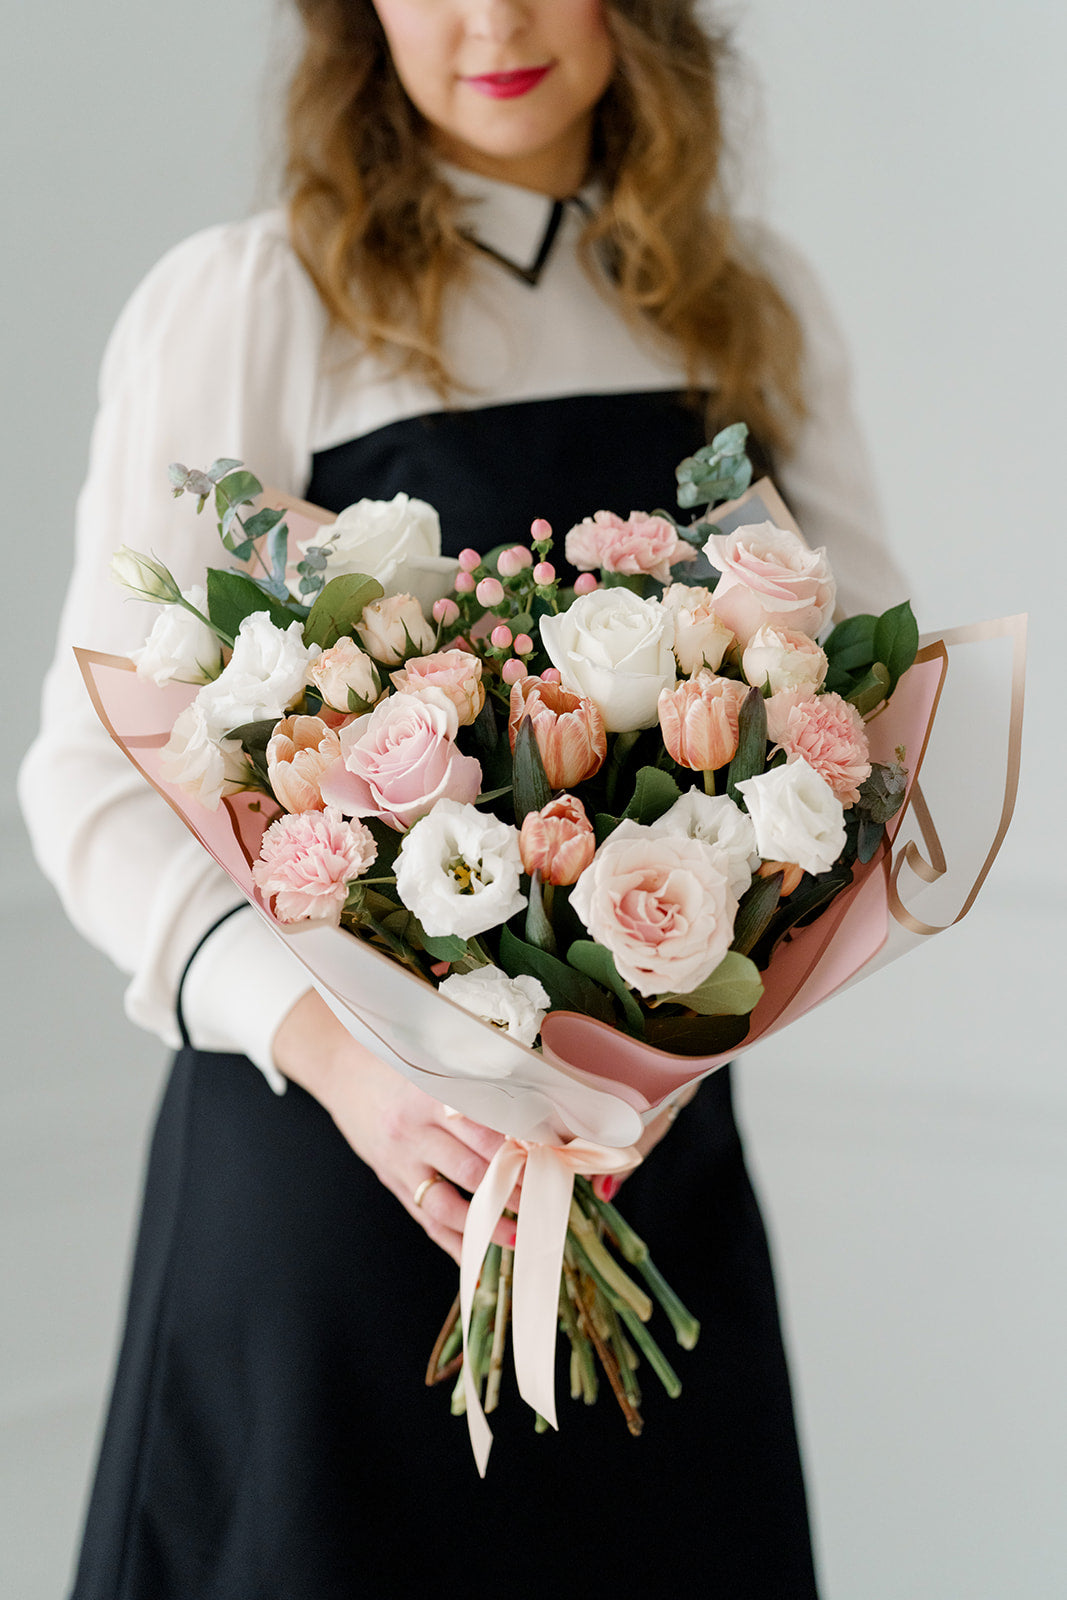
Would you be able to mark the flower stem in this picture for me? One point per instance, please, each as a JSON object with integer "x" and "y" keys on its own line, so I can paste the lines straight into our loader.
{"x": 500, "y": 1328}
{"x": 615, "y": 1280}
{"x": 635, "y": 1251}
{"x": 652, "y": 1352}
{"x": 709, "y": 782}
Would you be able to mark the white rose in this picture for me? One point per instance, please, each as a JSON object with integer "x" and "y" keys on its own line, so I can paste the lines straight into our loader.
{"x": 785, "y": 659}
{"x": 660, "y": 902}
{"x": 616, "y": 650}
{"x": 264, "y": 676}
{"x": 796, "y": 815}
{"x": 204, "y": 766}
{"x": 394, "y": 628}
{"x": 397, "y": 541}
{"x": 517, "y": 1005}
{"x": 180, "y": 648}
{"x": 701, "y": 639}
{"x": 458, "y": 870}
{"x": 716, "y": 820}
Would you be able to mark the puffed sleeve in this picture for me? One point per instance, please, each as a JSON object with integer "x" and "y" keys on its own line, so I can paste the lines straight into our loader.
{"x": 827, "y": 479}
{"x": 215, "y": 355}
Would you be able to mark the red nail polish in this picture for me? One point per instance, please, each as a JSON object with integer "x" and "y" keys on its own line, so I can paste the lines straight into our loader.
{"x": 611, "y": 1187}
{"x": 511, "y": 1239}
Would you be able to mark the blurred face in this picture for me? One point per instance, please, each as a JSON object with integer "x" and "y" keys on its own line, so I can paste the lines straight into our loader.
{"x": 507, "y": 86}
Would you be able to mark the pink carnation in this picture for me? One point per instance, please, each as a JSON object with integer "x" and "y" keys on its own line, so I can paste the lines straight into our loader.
{"x": 827, "y": 732}
{"x": 308, "y": 859}
{"x": 640, "y": 544}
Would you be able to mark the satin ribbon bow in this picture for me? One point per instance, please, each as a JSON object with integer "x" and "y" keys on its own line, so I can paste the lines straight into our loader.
{"x": 547, "y": 1173}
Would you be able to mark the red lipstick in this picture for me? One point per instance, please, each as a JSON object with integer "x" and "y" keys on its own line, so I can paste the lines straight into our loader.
{"x": 509, "y": 85}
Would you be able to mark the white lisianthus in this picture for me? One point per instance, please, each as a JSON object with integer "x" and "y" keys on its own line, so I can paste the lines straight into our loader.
{"x": 458, "y": 870}
{"x": 264, "y": 676}
{"x": 616, "y": 650}
{"x": 719, "y": 822}
{"x": 796, "y": 815}
{"x": 145, "y": 577}
{"x": 397, "y": 541}
{"x": 517, "y": 1005}
{"x": 204, "y": 766}
{"x": 180, "y": 648}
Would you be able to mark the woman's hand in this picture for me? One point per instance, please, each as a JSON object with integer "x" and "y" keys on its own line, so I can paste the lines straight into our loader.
{"x": 402, "y": 1134}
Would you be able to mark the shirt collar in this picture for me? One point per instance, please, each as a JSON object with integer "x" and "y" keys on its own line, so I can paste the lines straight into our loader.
{"x": 517, "y": 227}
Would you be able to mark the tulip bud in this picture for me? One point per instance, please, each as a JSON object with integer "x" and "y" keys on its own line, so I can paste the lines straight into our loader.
{"x": 698, "y": 720}
{"x": 569, "y": 729}
{"x": 558, "y": 841}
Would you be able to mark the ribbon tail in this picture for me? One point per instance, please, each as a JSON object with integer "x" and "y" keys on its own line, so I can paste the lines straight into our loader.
{"x": 486, "y": 1208}
{"x": 541, "y": 1236}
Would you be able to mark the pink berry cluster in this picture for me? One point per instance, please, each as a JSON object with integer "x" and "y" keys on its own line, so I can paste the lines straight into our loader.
{"x": 494, "y": 609}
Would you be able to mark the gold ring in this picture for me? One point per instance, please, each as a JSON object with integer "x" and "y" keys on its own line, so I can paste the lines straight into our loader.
{"x": 672, "y": 1112}
{"x": 424, "y": 1188}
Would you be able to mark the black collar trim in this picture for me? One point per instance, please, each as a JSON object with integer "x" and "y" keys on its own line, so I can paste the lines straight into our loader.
{"x": 530, "y": 275}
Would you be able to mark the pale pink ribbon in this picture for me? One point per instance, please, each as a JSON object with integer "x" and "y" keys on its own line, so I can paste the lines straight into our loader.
{"x": 547, "y": 1173}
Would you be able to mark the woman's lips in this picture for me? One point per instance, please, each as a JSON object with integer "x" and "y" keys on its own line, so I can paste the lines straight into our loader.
{"x": 508, "y": 85}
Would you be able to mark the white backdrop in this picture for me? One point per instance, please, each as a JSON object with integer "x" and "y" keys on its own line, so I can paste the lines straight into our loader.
{"x": 910, "y": 1142}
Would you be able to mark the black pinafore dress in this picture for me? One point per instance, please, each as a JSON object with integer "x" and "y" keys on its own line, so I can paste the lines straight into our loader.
{"x": 270, "y": 1436}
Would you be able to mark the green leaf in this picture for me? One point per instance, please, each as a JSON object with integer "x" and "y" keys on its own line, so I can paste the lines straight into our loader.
{"x": 339, "y": 607}
{"x": 568, "y": 990}
{"x": 530, "y": 785}
{"x": 871, "y": 690}
{"x": 694, "y": 1035}
{"x": 654, "y": 793}
{"x": 896, "y": 639}
{"x": 388, "y": 841}
{"x": 231, "y": 596}
{"x": 236, "y": 489}
{"x": 263, "y": 522}
{"x": 732, "y": 990}
{"x": 757, "y": 906}
{"x": 450, "y": 947}
{"x": 851, "y": 644}
{"x": 751, "y": 753}
{"x": 219, "y": 469}
{"x": 805, "y": 903}
{"x": 604, "y": 826}
{"x": 539, "y": 929}
{"x": 254, "y": 737}
{"x": 597, "y": 963}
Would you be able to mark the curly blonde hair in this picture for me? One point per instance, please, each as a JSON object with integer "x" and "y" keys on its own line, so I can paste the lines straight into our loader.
{"x": 380, "y": 230}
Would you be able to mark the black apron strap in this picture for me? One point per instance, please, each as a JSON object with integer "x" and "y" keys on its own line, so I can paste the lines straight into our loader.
{"x": 187, "y": 1043}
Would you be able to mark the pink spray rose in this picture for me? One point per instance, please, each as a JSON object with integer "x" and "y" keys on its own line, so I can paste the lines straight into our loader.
{"x": 784, "y": 659}
{"x": 828, "y": 733}
{"x": 400, "y": 760}
{"x": 638, "y": 544}
{"x": 661, "y": 903}
{"x": 345, "y": 677}
{"x": 701, "y": 638}
{"x": 770, "y": 577}
{"x": 393, "y": 628}
{"x": 299, "y": 751}
{"x": 557, "y": 841}
{"x": 457, "y": 674}
{"x": 308, "y": 859}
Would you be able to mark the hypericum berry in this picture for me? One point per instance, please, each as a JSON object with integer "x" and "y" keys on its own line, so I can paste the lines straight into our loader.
{"x": 490, "y": 592}
{"x": 501, "y": 636}
{"x": 445, "y": 611}
{"x": 510, "y": 562}
{"x": 544, "y": 572}
{"x": 513, "y": 671}
{"x": 523, "y": 644}
{"x": 469, "y": 560}
{"x": 585, "y": 583}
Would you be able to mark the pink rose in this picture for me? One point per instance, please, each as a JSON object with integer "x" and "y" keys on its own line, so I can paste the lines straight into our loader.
{"x": 308, "y": 859}
{"x": 400, "y": 760}
{"x": 661, "y": 903}
{"x": 784, "y": 659}
{"x": 641, "y": 544}
{"x": 345, "y": 677}
{"x": 393, "y": 628}
{"x": 769, "y": 576}
{"x": 557, "y": 841}
{"x": 457, "y": 674}
{"x": 299, "y": 751}
{"x": 827, "y": 733}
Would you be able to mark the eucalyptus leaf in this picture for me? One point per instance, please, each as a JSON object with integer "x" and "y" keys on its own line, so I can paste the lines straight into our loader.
{"x": 263, "y": 521}
{"x": 597, "y": 963}
{"x": 221, "y": 468}
{"x": 339, "y": 607}
{"x": 732, "y": 990}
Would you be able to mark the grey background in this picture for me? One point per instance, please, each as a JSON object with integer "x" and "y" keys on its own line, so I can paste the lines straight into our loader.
{"x": 910, "y": 1140}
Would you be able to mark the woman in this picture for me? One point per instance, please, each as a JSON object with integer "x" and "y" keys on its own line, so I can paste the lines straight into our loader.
{"x": 498, "y": 286}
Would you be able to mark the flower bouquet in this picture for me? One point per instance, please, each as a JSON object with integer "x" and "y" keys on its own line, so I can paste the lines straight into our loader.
{"x": 645, "y": 820}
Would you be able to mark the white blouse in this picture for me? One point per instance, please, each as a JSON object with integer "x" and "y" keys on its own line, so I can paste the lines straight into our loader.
{"x": 225, "y": 350}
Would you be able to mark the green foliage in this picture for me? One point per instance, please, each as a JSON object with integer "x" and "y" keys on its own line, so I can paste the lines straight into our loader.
{"x": 530, "y": 785}
{"x": 339, "y": 607}
{"x": 232, "y": 596}
{"x": 751, "y": 753}
{"x": 654, "y": 793}
{"x": 718, "y": 471}
{"x": 808, "y": 901}
{"x": 689, "y": 1034}
{"x": 869, "y": 655}
{"x": 754, "y": 912}
{"x": 254, "y": 738}
{"x": 732, "y": 990}
{"x": 896, "y": 641}
{"x": 568, "y": 989}
{"x": 597, "y": 963}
